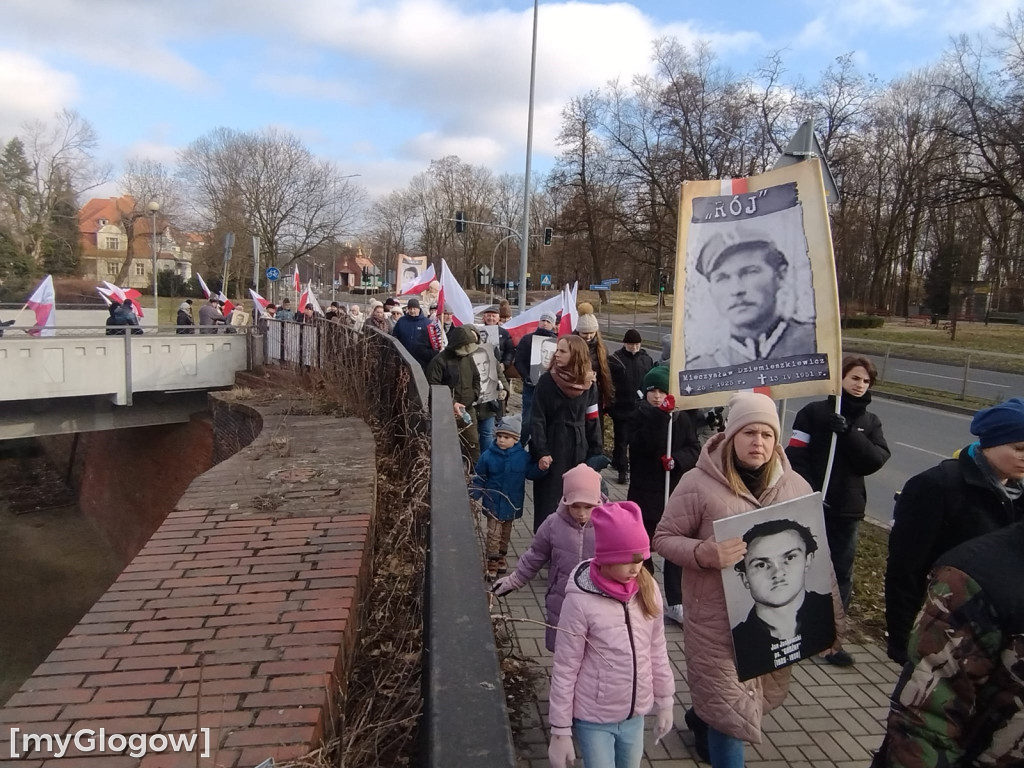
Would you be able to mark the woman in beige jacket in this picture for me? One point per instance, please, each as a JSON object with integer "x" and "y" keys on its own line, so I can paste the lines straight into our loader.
{"x": 739, "y": 470}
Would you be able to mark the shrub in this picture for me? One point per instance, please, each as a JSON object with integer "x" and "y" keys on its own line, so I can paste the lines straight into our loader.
{"x": 863, "y": 321}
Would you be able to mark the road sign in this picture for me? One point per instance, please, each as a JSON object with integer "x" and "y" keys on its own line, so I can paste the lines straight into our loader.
{"x": 545, "y": 279}
{"x": 273, "y": 273}
{"x": 485, "y": 270}
{"x": 511, "y": 284}
{"x": 610, "y": 281}
{"x": 601, "y": 287}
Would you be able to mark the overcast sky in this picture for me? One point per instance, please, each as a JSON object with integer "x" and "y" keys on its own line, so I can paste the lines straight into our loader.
{"x": 384, "y": 86}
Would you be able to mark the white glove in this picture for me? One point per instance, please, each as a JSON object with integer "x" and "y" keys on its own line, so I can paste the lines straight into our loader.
{"x": 664, "y": 724}
{"x": 504, "y": 585}
{"x": 560, "y": 752}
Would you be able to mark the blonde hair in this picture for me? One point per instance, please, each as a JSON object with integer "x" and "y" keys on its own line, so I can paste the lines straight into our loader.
{"x": 647, "y": 595}
{"x": 732, "y": 473}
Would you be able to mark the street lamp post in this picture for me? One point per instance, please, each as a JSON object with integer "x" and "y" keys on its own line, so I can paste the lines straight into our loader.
{"x": 154, "y": 206}
{"x": 524, "y": 243}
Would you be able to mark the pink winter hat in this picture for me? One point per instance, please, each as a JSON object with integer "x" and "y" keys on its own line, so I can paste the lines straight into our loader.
{"x": 581, "y": 484}
{"x": 619, "y": 534}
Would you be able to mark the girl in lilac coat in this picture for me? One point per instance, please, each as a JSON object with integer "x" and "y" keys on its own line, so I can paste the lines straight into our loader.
{"x": 564, "y": 539}
{"x": 611, "y": 665}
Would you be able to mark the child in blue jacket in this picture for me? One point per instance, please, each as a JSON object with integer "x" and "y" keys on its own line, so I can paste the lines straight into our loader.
{"x": 500, "y": 485}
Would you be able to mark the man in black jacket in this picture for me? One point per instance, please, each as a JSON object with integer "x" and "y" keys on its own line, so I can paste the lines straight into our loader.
{"x": 976, "y": 493}
{"x": 628, "y": 367}
{"x": 545, "y": 328}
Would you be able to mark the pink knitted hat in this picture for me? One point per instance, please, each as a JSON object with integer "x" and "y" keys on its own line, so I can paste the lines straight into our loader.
{"x": 581, "y": 484}
{"x": 619, "y": 534}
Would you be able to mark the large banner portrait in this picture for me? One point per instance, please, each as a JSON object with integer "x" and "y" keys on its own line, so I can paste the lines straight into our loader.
{"x": 487, "y": 365}
{"x": 541, "y": 352}
{"x": 409, "y": 268}
{"x": 756, "y": 299}
{"x": 779, "y": 596}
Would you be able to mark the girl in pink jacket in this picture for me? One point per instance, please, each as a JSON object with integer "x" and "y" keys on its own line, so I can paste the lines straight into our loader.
{"x": 562, "y": 542}
{"x": 611, "y": 665}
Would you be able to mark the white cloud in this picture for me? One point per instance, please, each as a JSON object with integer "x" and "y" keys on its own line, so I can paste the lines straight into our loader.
{"x": 304, "y": 86}
{"x": 30, "y": 89}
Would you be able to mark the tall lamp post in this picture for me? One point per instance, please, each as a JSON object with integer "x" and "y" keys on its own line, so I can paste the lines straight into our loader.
{"x": 154, "y": 206}
{"x": 524, "y": 242}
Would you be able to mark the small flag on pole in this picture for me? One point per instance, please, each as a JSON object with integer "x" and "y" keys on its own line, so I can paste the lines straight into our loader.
{"x": 43, "y": 303}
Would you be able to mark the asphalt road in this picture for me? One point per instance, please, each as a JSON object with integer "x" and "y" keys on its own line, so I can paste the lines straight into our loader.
{"x": 990, "y": 385}
{"x": 918, "y": 437}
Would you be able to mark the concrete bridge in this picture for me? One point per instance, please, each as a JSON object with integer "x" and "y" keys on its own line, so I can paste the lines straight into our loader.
{"x": 83, "y": 380}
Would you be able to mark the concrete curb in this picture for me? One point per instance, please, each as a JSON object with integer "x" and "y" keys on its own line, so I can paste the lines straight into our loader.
{"x": 925, "y": 403}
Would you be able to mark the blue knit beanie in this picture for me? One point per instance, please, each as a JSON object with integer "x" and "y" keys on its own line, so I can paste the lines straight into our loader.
{"x": 1000, "y": 424}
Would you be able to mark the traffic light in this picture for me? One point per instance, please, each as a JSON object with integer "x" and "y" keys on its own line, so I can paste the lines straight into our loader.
{"x": 460, "y": 222}
{"x": 664, "y": 281}
{"x": 366, "y": 276}
{"x": 548, "y": 232}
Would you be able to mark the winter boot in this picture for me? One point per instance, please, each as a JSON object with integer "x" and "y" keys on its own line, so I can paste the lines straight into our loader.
{"x": 492, "y": 569}
{"x": 502, "y": 565}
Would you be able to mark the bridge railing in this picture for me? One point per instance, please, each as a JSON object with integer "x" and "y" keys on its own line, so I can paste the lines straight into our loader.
{"x": 464, "y": 720}
{"x": 81, "y": 362}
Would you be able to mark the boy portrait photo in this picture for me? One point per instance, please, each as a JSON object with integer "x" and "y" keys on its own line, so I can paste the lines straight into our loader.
{"x": 779, "y": 596}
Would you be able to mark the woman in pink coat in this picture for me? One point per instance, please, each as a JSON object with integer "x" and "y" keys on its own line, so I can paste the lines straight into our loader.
{"x": 611, "y": 665}
{"x": 739, "y": 470}
{"x": 562, "y": 542}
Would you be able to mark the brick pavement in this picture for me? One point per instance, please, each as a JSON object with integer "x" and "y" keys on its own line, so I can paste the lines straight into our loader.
{"x": 832, "y": 718}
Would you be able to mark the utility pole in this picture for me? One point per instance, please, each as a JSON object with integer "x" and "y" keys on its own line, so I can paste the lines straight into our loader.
{"x": 524, "y": 242}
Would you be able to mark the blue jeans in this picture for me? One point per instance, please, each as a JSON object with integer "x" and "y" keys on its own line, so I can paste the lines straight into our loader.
{"x": 725, "y": 751}
{"x": 485, "y": 428}
{"x": 611, "y": 745}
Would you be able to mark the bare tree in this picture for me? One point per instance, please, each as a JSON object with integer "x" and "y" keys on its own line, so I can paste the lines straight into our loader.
{"x": 144, "y": 181}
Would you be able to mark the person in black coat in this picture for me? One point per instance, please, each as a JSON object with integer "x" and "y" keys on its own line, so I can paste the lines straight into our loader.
{"x": 524, "y": 351}
{"x": 648, "y": 439}
{"x": 861, "y": 450}
{"x": 628, "y": 366}
{"x": 184, "y": 320}
{"x": 566, "y": 428}
{"x": 411, "y": 331}
{"x": 977, "y": 492}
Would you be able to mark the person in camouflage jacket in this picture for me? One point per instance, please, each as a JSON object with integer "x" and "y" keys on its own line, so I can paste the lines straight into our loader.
{"x": 960, "y": 700}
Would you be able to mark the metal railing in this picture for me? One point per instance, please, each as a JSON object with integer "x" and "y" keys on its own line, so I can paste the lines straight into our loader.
{"x": 465, "y": 719}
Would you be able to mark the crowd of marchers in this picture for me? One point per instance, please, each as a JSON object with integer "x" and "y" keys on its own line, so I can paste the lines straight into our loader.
{"x": 954, "y": 611}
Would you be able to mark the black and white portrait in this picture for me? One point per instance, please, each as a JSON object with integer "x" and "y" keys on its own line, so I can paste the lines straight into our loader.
{"x": 489, "y": 334}
{"x": 409, "y": 268}
{"x": 487, "y": 364}
{"x": 779, "y": 596}
{"x": 541, "y": 352}
{"x": 749, "y": 292}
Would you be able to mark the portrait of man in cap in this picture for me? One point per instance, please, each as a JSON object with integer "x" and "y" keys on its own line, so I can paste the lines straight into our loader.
{"x": 746, "y": 274}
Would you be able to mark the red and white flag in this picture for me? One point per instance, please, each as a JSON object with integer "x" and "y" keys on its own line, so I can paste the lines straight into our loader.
{"x": 526, "y": 322}
{"x": 418, "y": 284}
{"x": 570, "y": 315}
{"x": 202, "y": 285}
{"x": 43, "y": 303}
{"x": 258, "y": 301}
{"x": 799, "y": 439}
{"x": 296, "y": 281}
{"x": 308, "y": 297}
{"x": 454, "y": 298}
{"x": 128, "y": 296}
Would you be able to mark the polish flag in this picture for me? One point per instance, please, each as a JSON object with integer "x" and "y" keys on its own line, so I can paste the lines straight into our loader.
{"x": 418, "y": 284}
{"x": 202, "y": 285}
{"x": 570, "y": 315}
{"x": 526, "y": 322}
{"x": 454, "y": 297}
{"x": 128, "y": 296}
{"x": 258, "y": 301}
{"x": 296, "y": 283}
{"x": 308, "y": 297}
{"x": 43, "y": 302}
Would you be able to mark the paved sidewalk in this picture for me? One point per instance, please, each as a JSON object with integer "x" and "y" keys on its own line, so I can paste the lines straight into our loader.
{"x": 832, "y": 718}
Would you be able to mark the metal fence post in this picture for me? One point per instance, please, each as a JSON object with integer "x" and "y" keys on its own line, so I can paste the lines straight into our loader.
{"x": 967, "y": 370}
{"x": 128, "y": 365}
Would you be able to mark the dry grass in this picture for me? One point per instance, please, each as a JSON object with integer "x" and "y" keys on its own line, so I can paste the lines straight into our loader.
{"x": 867, "y": 605}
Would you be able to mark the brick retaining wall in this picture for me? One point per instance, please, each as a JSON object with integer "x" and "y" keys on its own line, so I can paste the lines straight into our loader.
{"x": 252, "y": 583}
